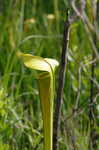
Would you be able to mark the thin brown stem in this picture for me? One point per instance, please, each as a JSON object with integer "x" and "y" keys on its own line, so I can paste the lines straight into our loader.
{"x": 61, "y": 82}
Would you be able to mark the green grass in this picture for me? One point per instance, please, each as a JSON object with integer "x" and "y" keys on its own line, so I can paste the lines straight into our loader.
{"x": 20, "y": 114}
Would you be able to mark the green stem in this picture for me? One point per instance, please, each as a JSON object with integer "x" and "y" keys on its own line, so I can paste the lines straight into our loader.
{"x": 46, "y": 94}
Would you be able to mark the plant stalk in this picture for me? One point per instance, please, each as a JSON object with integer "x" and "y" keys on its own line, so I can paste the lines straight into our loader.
{"x": 61, "y": 81}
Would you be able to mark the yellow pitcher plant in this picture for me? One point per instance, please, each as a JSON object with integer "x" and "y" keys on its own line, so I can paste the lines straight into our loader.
{"x": 46, "y": 82}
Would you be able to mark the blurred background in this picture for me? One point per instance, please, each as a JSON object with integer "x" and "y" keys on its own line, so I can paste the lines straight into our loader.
{"x": 36, "y": 27}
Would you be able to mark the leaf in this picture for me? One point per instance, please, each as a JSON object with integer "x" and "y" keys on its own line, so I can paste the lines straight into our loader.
{"x": 46, "y": 91}
{"x": 46, "y": 96}
{"x": 37, "y": 62}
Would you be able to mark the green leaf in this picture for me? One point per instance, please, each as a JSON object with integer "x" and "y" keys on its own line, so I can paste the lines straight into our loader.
{"x": 46, "y": 91}
{"x": 37, "y": 62}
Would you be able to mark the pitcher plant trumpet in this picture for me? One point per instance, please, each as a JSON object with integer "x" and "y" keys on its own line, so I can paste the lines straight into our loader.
{"x": 46, "y": 84}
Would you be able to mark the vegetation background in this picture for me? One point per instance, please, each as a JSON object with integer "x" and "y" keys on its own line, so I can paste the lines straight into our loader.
{"x": 36, "y": 27}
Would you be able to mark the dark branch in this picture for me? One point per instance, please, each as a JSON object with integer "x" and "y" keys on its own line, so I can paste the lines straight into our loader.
{"x": 61, "y": 81}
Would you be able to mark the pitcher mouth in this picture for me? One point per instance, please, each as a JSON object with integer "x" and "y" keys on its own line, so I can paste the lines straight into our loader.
{"x": 43, "y": 75}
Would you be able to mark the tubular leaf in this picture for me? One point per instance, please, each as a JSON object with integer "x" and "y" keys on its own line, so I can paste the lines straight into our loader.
{"x": 46, "y": 91}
